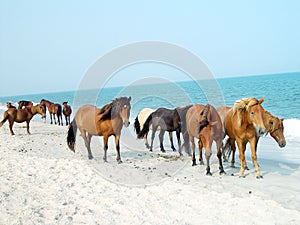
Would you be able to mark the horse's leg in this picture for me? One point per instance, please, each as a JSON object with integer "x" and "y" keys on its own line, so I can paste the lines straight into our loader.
{"x": 242, "y": 148}
{"x": 27, "y": 122}
{"x": 200, "y": 146}
{"x": 146, "y": 141}
{"x": 105, "y": 142}
{"x": 219, "y": 154}
{"x": 87, "y": 142}
{"x": 171, "y": 141}
{"x": 178, "y": 141}
{"x": 233, "y": 148}
{"x": 193, "y": 151}
{"x": 161, "y": 140}
{"x": 253, "y": 145}
{"x": 66, "y": 117}
{"x": 51, "y": 118}
{"x": 117, "y": 141}
{"x": 154, "y": 128}
{"x": 11, "y": 123}
{"x": 54, "y": 117}
{"x": 207, "y": 147}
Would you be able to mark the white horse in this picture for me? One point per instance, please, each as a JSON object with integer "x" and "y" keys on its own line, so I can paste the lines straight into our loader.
{"x": 139, "y": 124}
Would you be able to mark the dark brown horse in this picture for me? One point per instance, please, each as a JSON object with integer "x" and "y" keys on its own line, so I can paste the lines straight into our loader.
{"x": 67, "y": 110}
{"x": 21, "y": 115}
{"x": 54, "y": 109}
{"x": 24, "y": 103}
{"x": 204, "y": 123}
{"x": 274, "y": 127}
{"x": 245, "y": 123}
{"x": 167, "y": 120}
{"x": 105, "y": 121}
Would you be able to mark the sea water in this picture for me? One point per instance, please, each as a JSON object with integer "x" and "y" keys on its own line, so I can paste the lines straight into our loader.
{"x": 281, "y": 93}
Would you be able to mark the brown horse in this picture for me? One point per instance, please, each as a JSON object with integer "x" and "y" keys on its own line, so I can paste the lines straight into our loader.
{"x": 274, "y": 127}
{"x": 54, "y": 109}
{"x": 105, "y": 121}
{"x": 24, "y": 103}
{"x": 204, "y": 123}
{"x": 21, "y": 115}
{"x": 245, "y": 123}
{"x": 67, "y": 110}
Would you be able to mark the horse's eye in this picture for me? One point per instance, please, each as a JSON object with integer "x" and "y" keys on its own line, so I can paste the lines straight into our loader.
{"x": 125, "y": 106}
{"x": 252, "y": 113}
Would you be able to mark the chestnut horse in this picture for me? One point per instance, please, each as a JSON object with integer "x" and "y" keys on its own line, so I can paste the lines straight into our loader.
{"x": 105, "y": 121}
{"x": 21, "y": 115}
{"x": 245, "y": 123}
{"x": 274, "y": 127}
{"x": 24, "y": 103}
{"x": 67, "y": 110}
{"x": 54, "y": 109}
{"x": 204, "y": 123}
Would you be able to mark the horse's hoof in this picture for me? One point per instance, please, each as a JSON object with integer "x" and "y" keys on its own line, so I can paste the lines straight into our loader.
{"x": 201, "y": 162}
{"x": 162, "y": 150}
{"x": 120, "y": 161}
{"x": 208, "y": 173}
{"x": 174, "y": 149}
{"x": 180, "y": 154}
{"x": 259, "y": 177}
{"x": 222, "y": 172}
{"x": 90, "y": 157}
{"x": 194, "y": 164}
{"x": 150, "y": 150}
{"x": 232, "y": 166}
{"x": 225, "y": 160}
{"x": 242, "y": 176}
{"x": 247, "y": 168}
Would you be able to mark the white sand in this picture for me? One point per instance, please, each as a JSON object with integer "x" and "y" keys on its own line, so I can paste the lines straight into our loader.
{"x": 42, "y": 182}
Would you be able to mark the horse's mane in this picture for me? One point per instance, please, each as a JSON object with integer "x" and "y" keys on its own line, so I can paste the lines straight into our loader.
{"x": 243, "y": 105}
{"x": 109, "y": 111}
{"x": 204, "y": 121}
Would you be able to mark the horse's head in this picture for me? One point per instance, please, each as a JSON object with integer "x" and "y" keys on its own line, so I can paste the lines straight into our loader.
{"x": 276, "y": 131}
{"x": 123, "y": 107}
{"x": 250, "y": 110}
{"x": 41, "y": 109}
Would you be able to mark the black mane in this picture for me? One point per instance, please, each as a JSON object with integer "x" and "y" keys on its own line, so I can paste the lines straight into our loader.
{"x": 111, "y": 110}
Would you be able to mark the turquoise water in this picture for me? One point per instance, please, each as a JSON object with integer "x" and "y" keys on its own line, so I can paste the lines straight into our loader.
{"x": 281, "y": 92}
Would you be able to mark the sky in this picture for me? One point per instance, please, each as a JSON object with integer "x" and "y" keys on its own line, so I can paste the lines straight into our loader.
{"x": 49, "y": 46}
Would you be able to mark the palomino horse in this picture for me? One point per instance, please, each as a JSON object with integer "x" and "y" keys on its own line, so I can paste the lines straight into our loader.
{"x": 245, "y": 123}
{"x": 105, "y": 121}
{"x": 67, "y": 112}
{"x": 54, "y": 109}
{"x": 273, "y": 125}
{"x": 24, "y": 103}
{"x": 21, "y": 115}
{"x": 168, "y": 120}
{"x": 204, "y": 123}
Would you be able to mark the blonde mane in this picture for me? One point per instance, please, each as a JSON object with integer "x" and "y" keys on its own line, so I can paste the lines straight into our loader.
{"x": 243, "y": 105}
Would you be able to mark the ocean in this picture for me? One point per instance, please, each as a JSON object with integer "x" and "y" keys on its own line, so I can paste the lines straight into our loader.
{"x": 281, "y": 93}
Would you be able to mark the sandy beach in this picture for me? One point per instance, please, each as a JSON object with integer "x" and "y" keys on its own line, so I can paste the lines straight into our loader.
{"x": 43, "y": 182}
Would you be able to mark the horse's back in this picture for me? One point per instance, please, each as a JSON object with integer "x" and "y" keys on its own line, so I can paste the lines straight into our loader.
{"x": 143, "y": 115}
{"x": 192, "y": 119}
{"x": 85, "y": 118}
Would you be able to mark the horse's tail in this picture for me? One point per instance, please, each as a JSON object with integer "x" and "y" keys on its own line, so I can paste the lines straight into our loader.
{"x": 59, "y": 111}
{"x": 71, "y": 138}
{"x": 204, "y": 121}
{"x": 146, "y": 126}
{"x": 5, "y": 117}
{"x": 137, "y": 125}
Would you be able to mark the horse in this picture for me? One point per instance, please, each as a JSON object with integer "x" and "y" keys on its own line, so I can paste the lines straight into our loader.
{"x": 67, "y": 110}
{"x": 54, "y": 109}
{"x": 274, "y": 127}
{"x": 204, "y": 123}
{"x": 168, "y": 120}
{"x": 105, "y": 121}
{"x": 245, "y": 123}
{"x": 139, "y": 123}
{"x": 24, "y": 103}
{"x": 21, "y": 115}
{"x": 9, "y": 105}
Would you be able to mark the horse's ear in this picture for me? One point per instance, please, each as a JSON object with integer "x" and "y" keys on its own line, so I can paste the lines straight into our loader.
{"x": 261, "y": 100}
{"x": 282, "y": 120}
{"x": 129, "y": 99}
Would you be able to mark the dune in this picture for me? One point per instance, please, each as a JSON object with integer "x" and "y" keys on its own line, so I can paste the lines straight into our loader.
{"x": 43, "y": 182}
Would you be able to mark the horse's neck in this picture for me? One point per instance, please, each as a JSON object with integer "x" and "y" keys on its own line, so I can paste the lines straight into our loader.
{"x": 32, "y": 110}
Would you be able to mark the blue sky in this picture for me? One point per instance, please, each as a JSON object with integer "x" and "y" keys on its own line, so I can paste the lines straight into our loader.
{"x": 48, "y": 46}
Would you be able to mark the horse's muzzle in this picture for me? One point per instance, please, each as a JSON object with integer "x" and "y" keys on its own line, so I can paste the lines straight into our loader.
{"x": 126, "y": 123}
{"x": 282, "y": 144}
{"x": 261, "y": 132}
